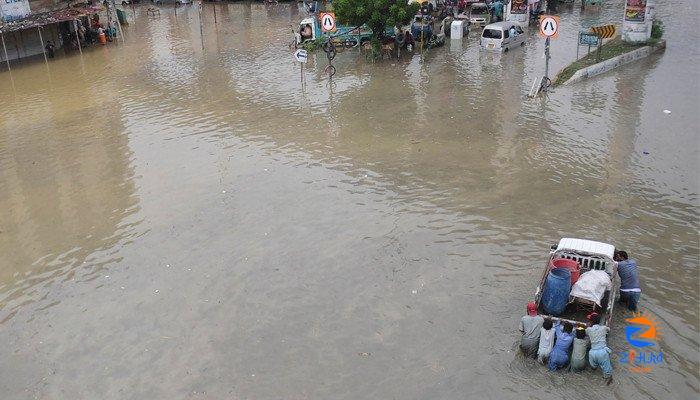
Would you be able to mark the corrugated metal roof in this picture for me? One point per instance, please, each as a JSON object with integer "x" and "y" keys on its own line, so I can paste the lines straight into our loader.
{"x": 588, "y": 246}
{"x": 50, "y": 17}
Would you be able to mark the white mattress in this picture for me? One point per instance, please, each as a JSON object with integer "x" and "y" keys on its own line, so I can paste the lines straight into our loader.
{"x": 591, "y": 286}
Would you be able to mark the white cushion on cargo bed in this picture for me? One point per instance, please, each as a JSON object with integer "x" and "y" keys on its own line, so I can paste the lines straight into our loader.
{"x": 591, "y": 286}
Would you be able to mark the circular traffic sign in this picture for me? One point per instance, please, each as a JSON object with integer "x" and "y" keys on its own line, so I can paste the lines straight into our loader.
{"x": 327, "y": 22}
{"x": 549, "y": 25}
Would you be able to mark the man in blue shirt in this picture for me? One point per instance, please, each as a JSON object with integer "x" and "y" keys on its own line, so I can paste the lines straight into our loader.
{"x": 559, "y": 356}
{"x": 629, "y": 280}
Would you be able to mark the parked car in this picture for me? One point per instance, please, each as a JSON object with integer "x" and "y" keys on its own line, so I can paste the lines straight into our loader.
{"x": 502, "y": 36}
{"x": 479, "y": 14}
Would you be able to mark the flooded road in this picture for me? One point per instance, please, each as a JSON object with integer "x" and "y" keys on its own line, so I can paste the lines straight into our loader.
{"x": 187, "y": 222}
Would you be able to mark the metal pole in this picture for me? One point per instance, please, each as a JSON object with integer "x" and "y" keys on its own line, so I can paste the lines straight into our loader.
{"x": 77, "y": 36}
{"x": 119, "y": 24}
{"x": 43, "y": 49}
{"x": 546, "y": 58}
{"x": 214, "y": 5}
{"x": 7, "y": 59}
{"x": 578, "y": 44}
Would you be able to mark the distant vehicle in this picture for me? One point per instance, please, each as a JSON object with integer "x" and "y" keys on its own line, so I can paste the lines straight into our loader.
{"x": 502, "y": 36}
{"x": 310, "y": 30}
{"x": 586, "y": 255}
{"x": 479, "y": 14}
{"x": 126, "y": 2}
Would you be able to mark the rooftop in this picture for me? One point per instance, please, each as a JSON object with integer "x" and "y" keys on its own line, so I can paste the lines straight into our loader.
{"x": 50, "y": 17}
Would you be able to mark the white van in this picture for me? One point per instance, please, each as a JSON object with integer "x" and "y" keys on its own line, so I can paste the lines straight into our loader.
{"x": 502, "y": 36}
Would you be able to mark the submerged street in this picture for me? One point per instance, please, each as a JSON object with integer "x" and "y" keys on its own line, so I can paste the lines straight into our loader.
{"x": 185, "y": 217}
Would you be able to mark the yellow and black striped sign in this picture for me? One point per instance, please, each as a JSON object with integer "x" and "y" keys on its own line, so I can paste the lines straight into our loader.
{"x": 605, "y": 31}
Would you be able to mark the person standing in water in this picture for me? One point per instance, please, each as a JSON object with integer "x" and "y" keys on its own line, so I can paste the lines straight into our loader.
{"x": 546, "y": 341}
{"x": 530, "y": 326}
{"x": 50, "y": 47}
{"x": 629, "y": 280}
{"x": 599, "y": 355}
{"x": 559, "y": 356}
{"x": 578, "y": 354}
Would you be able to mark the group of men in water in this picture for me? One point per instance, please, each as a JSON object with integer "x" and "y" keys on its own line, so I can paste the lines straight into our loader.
{"x": 561, "y": 345}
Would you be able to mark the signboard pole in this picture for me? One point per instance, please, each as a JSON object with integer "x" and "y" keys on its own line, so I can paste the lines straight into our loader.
{"x": 578, "y": 45}
{"x": 546, "y": 58}
{"x": 7, "y": 59}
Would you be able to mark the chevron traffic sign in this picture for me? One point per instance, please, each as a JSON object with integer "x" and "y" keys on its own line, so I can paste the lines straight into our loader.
{"x": 605, "y": 31}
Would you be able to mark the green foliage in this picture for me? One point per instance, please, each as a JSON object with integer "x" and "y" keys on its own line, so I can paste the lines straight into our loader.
{"x": 312, "y": 45}
{"x": 657, "y": 30}
{"x": 377, "y": 14}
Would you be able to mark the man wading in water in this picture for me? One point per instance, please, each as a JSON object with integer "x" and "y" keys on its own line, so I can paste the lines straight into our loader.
{"x": 629, "y": 280}
{"x": 530, "y": 326}
{"x": 599, "y": 355}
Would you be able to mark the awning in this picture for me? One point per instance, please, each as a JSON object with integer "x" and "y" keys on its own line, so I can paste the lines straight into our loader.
{"x": 48, "y": 18}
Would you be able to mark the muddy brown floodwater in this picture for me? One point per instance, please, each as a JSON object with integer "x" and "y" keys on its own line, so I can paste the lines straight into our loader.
{"x": 186, "y": 222}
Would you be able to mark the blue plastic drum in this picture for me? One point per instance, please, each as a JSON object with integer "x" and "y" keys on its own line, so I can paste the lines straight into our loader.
{"x": 556, "y": 291}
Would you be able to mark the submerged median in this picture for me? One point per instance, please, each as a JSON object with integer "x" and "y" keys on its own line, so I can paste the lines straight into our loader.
{"x": 611, "y": 55}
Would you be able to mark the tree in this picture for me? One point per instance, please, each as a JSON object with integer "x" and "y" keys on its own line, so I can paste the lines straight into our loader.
{"x": 377, "y": 14}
